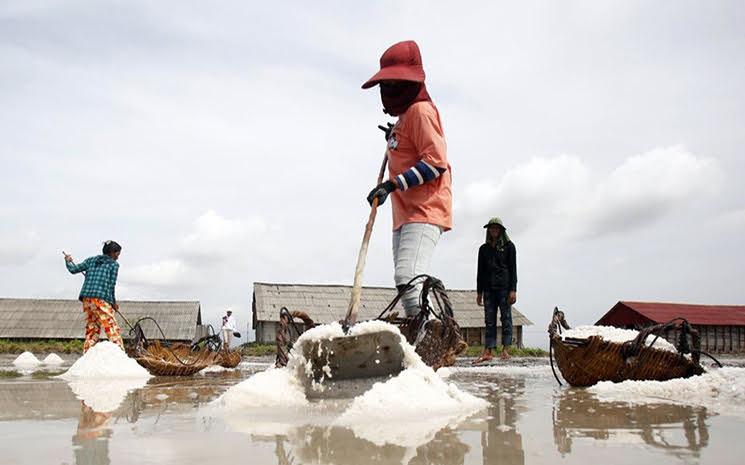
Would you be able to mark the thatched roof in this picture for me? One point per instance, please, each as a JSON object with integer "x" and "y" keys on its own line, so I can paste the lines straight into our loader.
{"x": 327, "y": 303}
{"x": 64, "y": 319}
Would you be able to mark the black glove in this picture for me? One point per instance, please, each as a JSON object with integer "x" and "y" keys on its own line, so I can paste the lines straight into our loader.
{"x": 381, "y": 192}
{"x": 386, "y": 130}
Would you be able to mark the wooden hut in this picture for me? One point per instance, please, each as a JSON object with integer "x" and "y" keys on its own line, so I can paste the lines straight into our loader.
{"x": 64, "y": 319}
{"x": 721, "y": 327}
{"x": 327, "y": 303}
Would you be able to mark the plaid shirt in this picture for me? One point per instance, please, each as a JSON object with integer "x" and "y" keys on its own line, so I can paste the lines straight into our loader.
{"x": 100, "y": 277}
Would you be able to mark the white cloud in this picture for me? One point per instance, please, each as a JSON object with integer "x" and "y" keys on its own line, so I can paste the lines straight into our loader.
{"x": 216, "y": 238}
{"x": 166, "y": 273}
{"x": 214, "y": 245}
{"x": 566, "y": 196}
{"x": 18, "y": 249}
{"x": 649, "y": 186}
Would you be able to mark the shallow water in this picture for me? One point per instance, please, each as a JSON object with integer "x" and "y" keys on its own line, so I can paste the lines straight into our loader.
{"x": 530, "y": 419}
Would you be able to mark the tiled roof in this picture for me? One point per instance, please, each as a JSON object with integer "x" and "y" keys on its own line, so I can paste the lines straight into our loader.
{"x": 660, "y": 312}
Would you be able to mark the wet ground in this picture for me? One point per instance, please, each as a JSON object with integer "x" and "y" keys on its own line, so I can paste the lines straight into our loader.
{"x": 530, "y": 420}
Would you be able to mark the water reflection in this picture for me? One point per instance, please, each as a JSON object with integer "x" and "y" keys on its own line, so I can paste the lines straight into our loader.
{"x": 679, "y": 430}
{"x": 339, "y": 445}
{"x": 129, "y": 401}
{"x": 91, "y": 440}
{"x": 498, "y": 428}
{"x": 501, "y": 442}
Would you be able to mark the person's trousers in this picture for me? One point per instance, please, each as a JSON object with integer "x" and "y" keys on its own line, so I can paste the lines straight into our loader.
{"x": 227, "y": 335}
{"x": 413, "y": 246}
{"x": 99, "y": 314}
{"x": 497, "y": 301}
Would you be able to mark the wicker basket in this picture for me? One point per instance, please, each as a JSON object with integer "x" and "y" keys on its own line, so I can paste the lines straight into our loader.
{"x": 585, "y": 362}
{"x": 228, "y": 359}
{"x": 177, "y": 360}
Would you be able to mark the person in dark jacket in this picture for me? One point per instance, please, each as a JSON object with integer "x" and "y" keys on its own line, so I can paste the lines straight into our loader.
{"x": 496, "y": 286}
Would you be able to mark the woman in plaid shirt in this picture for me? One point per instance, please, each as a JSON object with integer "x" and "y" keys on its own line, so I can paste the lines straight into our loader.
{"x": 97, "y": 294}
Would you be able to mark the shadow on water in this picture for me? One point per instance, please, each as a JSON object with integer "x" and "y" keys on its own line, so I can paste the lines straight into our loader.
{"x": 677, "y": 430}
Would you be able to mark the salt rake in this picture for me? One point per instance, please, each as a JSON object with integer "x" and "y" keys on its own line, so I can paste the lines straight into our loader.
{"x": 368, "y": 356}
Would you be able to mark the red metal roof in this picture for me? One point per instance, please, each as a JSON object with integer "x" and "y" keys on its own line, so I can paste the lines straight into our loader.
{"x": 629, "y": 313}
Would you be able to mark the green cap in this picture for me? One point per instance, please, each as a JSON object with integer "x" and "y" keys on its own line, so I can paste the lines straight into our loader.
{"x": 493, "y": 221}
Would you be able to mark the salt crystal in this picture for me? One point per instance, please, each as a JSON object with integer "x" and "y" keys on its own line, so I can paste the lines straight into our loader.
{"x": 420, "y": 401}
{"x": 271, "y": 388}
{"x": 26, "y": 359}
{"x": 53, "y": 359}
{"x": 612, "y": 334}
{"x": 105, "y": 360}
{"x": 722, "y": 390}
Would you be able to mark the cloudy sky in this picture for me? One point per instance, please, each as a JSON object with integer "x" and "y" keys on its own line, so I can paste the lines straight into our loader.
{"x": 230, "y": 143}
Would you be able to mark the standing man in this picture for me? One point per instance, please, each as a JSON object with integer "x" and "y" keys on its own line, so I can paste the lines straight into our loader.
{"x": 496, "y": 286}
{"x": 228, "y": 328}
{"x": 419, "y": 174}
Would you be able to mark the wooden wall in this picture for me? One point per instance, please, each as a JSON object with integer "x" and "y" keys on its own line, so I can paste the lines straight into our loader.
{"x": 717, "y": 339}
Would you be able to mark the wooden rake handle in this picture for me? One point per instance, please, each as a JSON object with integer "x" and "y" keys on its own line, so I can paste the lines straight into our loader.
{"x": 354, "y": 302}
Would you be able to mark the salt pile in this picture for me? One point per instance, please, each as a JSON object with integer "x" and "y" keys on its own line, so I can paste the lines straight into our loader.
{"x": 611, "y": 334}
{"x": 722, "y": 390}
{"x": 105, "y": 360}
{"x": 26, "y": 360}
{"x": 215, "y": 369}
{"x": 275, "y": 387}
{"x": 407, "y": 410}
{"x": 53, "y": 359}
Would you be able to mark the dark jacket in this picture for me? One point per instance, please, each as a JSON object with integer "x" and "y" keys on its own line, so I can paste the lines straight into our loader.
{"x": 497, "y": 268}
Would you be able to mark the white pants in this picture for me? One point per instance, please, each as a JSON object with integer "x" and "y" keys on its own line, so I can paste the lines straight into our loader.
{"x": 227, "y": 335}
{"x": 413, "y": 246}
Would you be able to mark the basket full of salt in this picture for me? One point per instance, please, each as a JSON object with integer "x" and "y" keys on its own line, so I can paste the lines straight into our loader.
{"x": 588, "y": 355}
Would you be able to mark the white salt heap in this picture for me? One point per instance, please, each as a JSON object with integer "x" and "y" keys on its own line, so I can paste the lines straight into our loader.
{"x": 274, "y": 387}
{"x": 721, "y": 390}
{"x": 215, "y": 369}
{"x": 53, "y": 359}
{"x": 26, "y": 360}
{"x": 407, "y": 410}
{"x": 105, "y": 360}
{"x": 103, "y": 376}
{"x": 611, "y": 334}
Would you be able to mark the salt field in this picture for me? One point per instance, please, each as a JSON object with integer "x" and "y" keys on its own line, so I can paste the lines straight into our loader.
{"x": 506, "y": 413}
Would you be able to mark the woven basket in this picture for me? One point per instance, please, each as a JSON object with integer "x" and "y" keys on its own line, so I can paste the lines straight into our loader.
{"x": 600, "y": 360}
{"x": 177, "y": 360}
{"x": 585, "y": 362}
{"x": 228, "y": 359}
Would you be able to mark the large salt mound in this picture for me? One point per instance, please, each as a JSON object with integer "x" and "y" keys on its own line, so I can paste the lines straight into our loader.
{"x": 53, "y": 359}
{"x": 105, "y": 360}
{"x": 407, "y": 410}
{"x": 611, "y": 334}
{"x": 274, "y": 387}
{"x": 26, "y": 359}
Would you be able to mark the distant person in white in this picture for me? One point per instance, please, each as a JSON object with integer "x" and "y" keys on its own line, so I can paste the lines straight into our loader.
{"x": 228, "y": 328}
